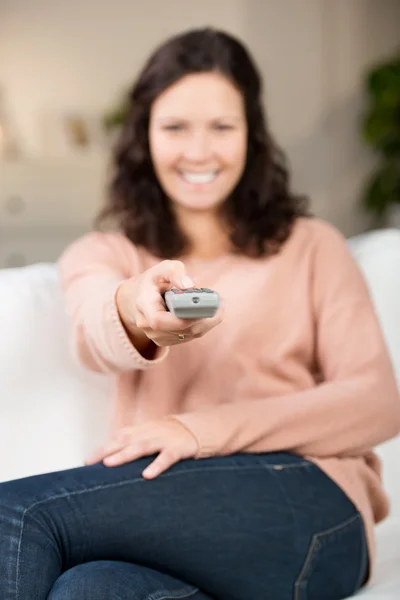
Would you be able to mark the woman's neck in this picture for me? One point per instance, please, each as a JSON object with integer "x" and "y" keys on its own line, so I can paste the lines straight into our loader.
{"x": 208, "y": 238}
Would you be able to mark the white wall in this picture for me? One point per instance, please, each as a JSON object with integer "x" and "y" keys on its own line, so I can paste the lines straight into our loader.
{"x": 313, "y": 55}
{"x": 57, "y": 56}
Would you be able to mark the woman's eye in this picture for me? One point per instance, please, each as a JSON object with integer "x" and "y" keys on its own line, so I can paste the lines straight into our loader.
{"x": 173, "y": 127}
{"x": 221, "y": 127}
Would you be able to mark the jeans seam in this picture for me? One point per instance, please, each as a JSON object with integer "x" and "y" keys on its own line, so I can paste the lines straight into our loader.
{"x": 173, "y": 595}
{"x": 142, "y": 480}
{"x": 315, "y": 539}
{"x": 363, "y": 561}
{"x": 273, "y": 467}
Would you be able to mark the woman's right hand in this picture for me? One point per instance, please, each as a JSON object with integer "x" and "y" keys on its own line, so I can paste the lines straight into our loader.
{"x": 143, "y": 312}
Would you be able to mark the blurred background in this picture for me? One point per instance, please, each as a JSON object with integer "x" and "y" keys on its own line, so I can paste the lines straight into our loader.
{"x": 332, "y": 80}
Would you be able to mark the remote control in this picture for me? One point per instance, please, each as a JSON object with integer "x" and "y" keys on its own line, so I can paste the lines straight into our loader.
{"x": 192, "y": 303}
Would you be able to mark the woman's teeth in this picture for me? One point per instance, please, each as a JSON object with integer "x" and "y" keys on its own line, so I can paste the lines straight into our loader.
{"x": 199, "y": 177}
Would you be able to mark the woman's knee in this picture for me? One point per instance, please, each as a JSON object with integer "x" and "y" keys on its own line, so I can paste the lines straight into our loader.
{"x": 13, "y": 506}
{"x": 21, "y": 494}
{"x": 20, "y": 509}
{"x": 115, "y": 580}
{"x": 90, "y": 581}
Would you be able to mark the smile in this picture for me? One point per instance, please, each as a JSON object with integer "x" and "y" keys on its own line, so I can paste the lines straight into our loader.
{"x": 198, "y": 177}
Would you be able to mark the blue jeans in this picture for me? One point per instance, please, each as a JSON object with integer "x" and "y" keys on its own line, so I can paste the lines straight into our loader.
{"x": 242, "y": 527}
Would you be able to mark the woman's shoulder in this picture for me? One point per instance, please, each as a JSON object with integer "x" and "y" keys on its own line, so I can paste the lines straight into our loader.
{"x": 312, "y": 234}
{"x": 316, "y": 230}
{"x": 108, "y": 247}
{"x": 316, "y": 244}
{"x": 322, "y": 248}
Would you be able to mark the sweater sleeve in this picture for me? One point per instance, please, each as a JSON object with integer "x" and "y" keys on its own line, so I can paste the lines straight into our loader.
{"x": 356, "y": 406}
{"x": 91, "y": 269}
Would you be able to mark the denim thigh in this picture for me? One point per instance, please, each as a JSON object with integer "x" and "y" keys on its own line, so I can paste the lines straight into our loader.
{"x": 270, "y": 526}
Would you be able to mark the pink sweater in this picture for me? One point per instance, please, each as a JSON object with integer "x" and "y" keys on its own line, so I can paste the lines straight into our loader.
{"x": 298, "y": 364}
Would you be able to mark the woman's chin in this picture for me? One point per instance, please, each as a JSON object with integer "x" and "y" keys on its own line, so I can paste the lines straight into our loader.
{"x": 198, "y": 207}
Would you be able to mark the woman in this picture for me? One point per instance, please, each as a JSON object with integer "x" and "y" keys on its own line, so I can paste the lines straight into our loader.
{"x": 240, "y": 462}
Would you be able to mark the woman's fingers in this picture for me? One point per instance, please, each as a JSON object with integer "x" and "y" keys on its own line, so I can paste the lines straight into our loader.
{"x": 167, "y": 438}
{"x": 97, "y": 456}
{"x": 166, "y": 321}
{"x": 173, "y": 272}
{"x": 151, "y": 306}
{"x": 154, "y": 319}
{"x": 129, "y": 453}
{"x": 164, "y": 461}
{"x": 205, "y": 325}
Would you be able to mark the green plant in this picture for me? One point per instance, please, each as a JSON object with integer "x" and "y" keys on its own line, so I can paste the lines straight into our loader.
{"x": 115, "y": 117}
{"x": 381, "y": 131}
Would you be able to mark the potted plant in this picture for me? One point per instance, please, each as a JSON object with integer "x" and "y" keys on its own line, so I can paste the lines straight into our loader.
{"x": 114, "y": 118}
{"x": 381, "y": 131}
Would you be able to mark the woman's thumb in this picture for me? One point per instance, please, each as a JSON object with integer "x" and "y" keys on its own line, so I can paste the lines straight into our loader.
{"x": 175, "y": 273}
{"x": 187, "y": 282}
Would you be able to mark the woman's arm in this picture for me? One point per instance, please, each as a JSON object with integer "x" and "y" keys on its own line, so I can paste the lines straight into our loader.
{"x": 92, "y": 270}
{"x": 355, "y": 408}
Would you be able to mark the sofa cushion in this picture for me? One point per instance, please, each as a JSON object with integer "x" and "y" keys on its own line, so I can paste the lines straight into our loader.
{"x": 378, "y": 254}
{"x": 53, "y": 411}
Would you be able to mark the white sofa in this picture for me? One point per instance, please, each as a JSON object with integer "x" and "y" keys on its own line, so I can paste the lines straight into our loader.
{"x": 53, "y": 412}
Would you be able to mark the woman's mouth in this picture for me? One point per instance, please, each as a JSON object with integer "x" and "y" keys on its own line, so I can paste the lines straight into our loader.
{"x": 198, "y": 178}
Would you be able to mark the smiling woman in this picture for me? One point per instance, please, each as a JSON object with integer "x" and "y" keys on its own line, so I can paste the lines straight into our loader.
{"x": 195, "y": 144}
{"x": 240, "y": 463}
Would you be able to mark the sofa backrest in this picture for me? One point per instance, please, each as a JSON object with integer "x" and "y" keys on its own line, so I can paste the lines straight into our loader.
{"x": 378, "y": 254}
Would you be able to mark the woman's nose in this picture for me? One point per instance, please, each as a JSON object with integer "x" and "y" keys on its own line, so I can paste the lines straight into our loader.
{"x": 198, "y": 147}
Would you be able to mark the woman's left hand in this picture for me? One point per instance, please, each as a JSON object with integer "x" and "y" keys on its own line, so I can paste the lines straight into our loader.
{"x": 167, "y": 437}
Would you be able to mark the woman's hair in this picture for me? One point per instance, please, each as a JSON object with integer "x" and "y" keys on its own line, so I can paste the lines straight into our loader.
{"x": 259, "y": 212}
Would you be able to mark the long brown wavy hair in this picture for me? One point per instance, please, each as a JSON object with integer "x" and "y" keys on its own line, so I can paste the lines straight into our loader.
{"x": 260, "y": 211}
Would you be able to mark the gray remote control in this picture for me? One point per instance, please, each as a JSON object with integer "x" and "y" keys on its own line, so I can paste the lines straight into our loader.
{"x": 192, "y": 303}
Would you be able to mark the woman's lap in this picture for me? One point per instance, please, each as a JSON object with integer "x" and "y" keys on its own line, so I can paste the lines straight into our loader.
{"x": 235, "y": 527}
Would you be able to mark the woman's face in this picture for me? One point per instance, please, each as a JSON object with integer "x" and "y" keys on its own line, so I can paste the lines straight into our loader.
{"x": 198, "y": 140}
